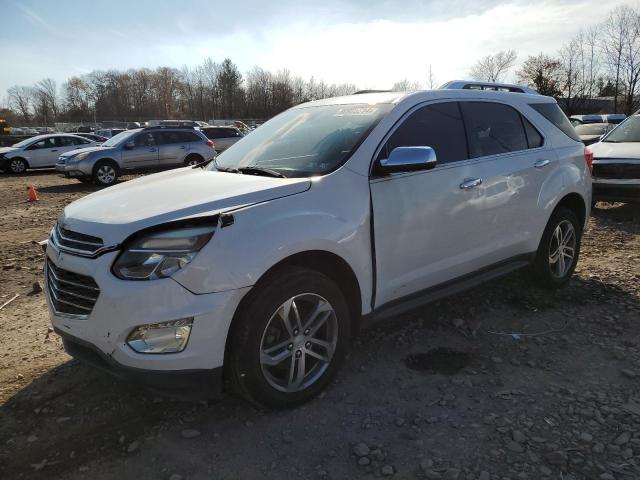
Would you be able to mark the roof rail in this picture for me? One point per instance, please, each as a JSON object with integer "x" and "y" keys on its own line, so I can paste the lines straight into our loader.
{"x": 361, "y": 92}
{"x": 173, "y": 127}
{"x": 499, "y": 87}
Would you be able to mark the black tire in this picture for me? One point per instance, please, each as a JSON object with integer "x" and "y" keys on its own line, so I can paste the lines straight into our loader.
{"x": 18, "y": 165}
{"x": 105, "y": 173}
{"x": 250, "y": 330}
{"x": 192, "y": 159}
{"x": 546, "y": 273}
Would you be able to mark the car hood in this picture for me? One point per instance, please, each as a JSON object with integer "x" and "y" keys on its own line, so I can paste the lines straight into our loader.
{"x": 73, "y": 153}
{"x": 4, "y": 150}
{"x": 615, "y": 150}
{"x": 119, "y": 211}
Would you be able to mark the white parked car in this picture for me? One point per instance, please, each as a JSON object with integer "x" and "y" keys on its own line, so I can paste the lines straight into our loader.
{"x": 616, "y": 163}
{"x": 333, "y": 214}
{"x": 40, "y": 151}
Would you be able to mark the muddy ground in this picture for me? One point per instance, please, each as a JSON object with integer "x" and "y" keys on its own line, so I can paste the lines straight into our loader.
{"x": 545, "y": 384}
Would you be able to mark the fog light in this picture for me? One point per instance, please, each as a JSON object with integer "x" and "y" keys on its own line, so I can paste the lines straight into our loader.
{"x": 165, "y": 337}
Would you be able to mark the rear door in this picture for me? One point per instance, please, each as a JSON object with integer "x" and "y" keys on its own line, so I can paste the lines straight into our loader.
{"x": 512, "y": 162}
{"x": 174, "y": 147}
{"x": 144, "y": 154}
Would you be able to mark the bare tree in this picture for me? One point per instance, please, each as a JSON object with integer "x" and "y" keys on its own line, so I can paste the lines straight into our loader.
{"x": 493, "y": 68}
{"x": 616, "y": 28}
{"x": 431, "y": 80}
{"x": 406, "y": 85}
{"x": 542, "y": 73}
{"x": 20, "y": 99}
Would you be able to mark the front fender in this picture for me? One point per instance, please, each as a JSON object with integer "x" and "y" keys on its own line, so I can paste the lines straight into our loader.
{"x": 329, "y": 217}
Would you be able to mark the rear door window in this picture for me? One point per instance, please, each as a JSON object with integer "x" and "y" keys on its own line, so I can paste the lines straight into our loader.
{"x": 438, "y": 126}
{"x": 493, "y": 128}
{"x": 553, "y": 113}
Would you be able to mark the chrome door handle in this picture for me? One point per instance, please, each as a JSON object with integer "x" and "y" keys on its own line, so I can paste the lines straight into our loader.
{"x": 541, "y": 163}
{"x": 471, "y": 183}
{"x": 182, "y": 147}
{"x": 152, "y": 149}
{"x": 54, "y": 150}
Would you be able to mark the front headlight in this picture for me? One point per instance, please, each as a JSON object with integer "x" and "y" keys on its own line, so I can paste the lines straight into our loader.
{"x": 78, "y": 157}
{"x": 161, "y": 254}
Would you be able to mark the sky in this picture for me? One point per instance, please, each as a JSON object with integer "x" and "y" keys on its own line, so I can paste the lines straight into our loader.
{"x": 369, "y": 43}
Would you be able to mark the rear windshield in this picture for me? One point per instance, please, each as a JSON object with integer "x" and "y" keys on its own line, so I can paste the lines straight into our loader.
{"x": 552, "y": 112}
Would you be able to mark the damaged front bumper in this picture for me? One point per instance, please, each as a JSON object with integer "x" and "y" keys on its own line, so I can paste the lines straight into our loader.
{"x": 99, "y": 335}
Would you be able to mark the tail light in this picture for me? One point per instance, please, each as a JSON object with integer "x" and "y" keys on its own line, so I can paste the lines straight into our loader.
{"x": 211, "y": 144}
{"x": 588, "y": 158}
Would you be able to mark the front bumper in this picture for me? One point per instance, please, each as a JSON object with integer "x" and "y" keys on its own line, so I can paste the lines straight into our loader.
{"x": 179, "y": 383}
{"x": 69, "y": 170}
{"x": 100, "y": 337}
{"x": 612, "y": 190}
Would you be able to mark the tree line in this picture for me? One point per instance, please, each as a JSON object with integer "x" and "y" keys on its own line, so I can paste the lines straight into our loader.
{"x": 600, "y": 61}
{"x": 208, "y": 91}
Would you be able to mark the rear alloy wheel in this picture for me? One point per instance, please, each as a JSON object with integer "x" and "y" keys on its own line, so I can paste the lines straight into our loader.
{"x": 17, "y": 165}
{"x": 559, "y": 249}
{"x": 290, "y": 338}
{"x": 105, "y": 174}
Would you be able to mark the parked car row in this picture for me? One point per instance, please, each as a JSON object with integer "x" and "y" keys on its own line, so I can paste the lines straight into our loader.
{"x": 614, "y": 118}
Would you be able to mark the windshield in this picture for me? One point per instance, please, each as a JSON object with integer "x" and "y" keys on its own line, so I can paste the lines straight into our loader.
{"x": 304, "y": 142}
{"x": 119, "y": 138}
{"x": 592, "y": 129}
{"x": 24, "y": 143}
{"x": 627, "y": 131}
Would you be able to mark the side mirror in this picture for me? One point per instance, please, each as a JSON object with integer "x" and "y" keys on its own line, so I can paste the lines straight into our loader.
{"x": 130, "y": 145}
{"x": 406, "y": 159}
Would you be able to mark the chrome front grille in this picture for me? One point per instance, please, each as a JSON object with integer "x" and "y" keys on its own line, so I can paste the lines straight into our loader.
{"x": 74, "y": 242}
{"x": 71, "y": 293}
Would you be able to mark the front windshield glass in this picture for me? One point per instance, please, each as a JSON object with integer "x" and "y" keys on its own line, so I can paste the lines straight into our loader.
{"x": 24, "y": 143}
{"x": 304, "y": 142}
{"x": 627, "y": 131}
{"x": 119, "y": 138}
{"x": 592, "y": 129}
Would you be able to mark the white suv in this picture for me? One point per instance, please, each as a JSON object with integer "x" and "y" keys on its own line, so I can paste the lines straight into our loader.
{"x": 333, "y": 214}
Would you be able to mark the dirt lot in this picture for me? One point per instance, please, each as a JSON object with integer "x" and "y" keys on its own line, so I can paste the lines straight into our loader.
{"x": 534, "y": 384}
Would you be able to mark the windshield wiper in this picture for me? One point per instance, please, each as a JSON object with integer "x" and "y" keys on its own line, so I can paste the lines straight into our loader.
{"x": 260, "y": 171}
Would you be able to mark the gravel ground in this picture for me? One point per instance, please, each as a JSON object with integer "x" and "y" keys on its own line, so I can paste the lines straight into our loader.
{"x": 503, "y": 381}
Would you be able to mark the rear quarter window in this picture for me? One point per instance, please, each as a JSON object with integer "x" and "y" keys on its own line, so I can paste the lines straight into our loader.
{"x": 553, "y": 113}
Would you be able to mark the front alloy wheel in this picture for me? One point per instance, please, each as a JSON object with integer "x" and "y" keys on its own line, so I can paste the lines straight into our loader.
{"x": 106, "y": 174}
{"x": 290, "y": 337}
{"x": 298, "y": 343}
{"x": 17, "y": 166}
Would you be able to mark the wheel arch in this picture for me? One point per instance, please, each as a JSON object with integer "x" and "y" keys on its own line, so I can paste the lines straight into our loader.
{"x": 575, "y": 202}
{"x": 329, "y": 264}
{"x": 18, "y": 157}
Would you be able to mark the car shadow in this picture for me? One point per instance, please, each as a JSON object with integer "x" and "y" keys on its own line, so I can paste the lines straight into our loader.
{"x": 74, "y": 186}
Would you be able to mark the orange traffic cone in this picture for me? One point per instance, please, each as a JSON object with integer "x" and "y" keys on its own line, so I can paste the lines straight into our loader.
{"x": 33, "y": 195}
